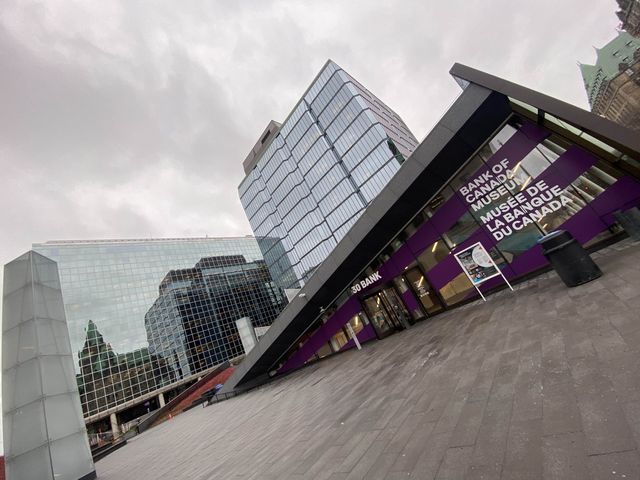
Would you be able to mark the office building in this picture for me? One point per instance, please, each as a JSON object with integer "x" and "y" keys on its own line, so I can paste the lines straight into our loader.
{"x": 225, "y": 288}
{"x": 504, "y": 166}
{"x": 146, "y": 317}
{"x": 629, "y": 15}
{"x": 309, "y": 178}
{"x": 613, "y": 83}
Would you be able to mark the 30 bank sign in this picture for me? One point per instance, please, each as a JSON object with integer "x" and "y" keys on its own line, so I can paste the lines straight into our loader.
{"x": 362, "y": 284}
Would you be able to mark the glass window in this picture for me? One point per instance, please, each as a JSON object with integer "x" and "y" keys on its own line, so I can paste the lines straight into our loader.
{"x": 358, "y": 322}
{"x": 555, "y": 219}
{"x": 461, "y": 230}
{"x": 339, "y": 340}
{"x": 460, "y": 288}
{"x": 433, "y": 254}
{"x": 324, "y": 351}
{"x": 468, "y": 172}
{"x": 400, "y": 284}
{"x": 593, "y": 182}
{"x": 423, "y": 290}
{"x": 457, "y": 290}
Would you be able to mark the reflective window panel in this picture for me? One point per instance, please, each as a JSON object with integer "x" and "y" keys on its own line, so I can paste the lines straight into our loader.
{"x": 147, "y": 314}
{"x": 332, "y": 156}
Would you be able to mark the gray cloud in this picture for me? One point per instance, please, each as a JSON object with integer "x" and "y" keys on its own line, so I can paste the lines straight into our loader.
{"x": 131, "y": 119}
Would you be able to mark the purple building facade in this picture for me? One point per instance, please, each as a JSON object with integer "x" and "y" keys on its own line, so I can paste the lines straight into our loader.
{"x": 524, "y": 182}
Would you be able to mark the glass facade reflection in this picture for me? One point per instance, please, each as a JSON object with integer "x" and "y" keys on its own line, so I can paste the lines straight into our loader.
{"x": 147, "y": 315}
{"x": 330, "y": 158}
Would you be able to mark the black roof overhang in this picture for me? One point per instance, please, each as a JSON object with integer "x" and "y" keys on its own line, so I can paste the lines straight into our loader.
{"x": 464, "y": 128}
{"x": 618, "y": 136}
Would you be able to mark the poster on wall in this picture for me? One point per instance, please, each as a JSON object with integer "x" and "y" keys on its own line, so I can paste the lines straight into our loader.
{"x": 478, "y": 265}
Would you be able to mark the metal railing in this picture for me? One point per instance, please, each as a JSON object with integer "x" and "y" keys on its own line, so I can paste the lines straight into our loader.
{"x": 220, "y": 397}
{"x": 100, "y": 439}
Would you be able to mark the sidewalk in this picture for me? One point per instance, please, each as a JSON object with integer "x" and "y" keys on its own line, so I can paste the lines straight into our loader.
{"x": 543, "y": 382}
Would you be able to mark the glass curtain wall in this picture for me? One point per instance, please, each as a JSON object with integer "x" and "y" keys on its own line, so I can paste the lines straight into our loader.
{"x": 332, "y": 156}
{"x": 145, "y": 315}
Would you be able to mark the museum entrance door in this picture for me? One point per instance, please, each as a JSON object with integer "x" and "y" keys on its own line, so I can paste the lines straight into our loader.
{"x": 387, "y": 312}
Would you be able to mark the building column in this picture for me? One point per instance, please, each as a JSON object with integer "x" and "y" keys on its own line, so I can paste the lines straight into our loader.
{"x": 353, "y": 335}
{"x": 161, "y": 400}
{"x": 115, "y": 427}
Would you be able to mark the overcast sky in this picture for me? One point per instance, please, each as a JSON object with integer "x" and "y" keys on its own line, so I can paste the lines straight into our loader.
{"x": 132, "y": 118}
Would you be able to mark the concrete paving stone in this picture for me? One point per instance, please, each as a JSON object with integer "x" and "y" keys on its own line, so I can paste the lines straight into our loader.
{"x": 356, "y": 451}
{"x": 623, "y": 375}
{"x": 437, "y": 407}
{"x": 527, "y": 399}
{"x": 624, "y": 323}
{"x": 482, "y": 387}
{"x": 422, "y": 401}
{"x": 451, "y": 415}
{"x": 491, "y": 442}
{"x": 431, "y": 457}
{"x": 468, "y": 377}
{"x": 523, "y": 457}
{"x": 410, "y": 454}
{"x": 632, "y": 339}
{"x": 538, "y": 383}
{"x": 484, "y": 472}
{"x": 381, "y": 466}
{"x": 367, "y": 460}
{"x": 560, "y": 413}
{"x": 622, "y": 465}
{"x": 501, "y": 395}
{"x": 387, "y": 411}
{"x": 330, "y": 456}
{"x": 531, "y": 351}
{"x": 468, "y": 424}
{"x": 555, "y": 367}
{"x": 564, "y": 457}
{"x": 634, "y": 301}
{"x": 404, "y": 432}
{"x": 455, "y": 463}
{"x": 609, "y": 345}
{"x": 604, "y": 423}
{"x": 336, "y": 476}
{"x": 632, "y": 414}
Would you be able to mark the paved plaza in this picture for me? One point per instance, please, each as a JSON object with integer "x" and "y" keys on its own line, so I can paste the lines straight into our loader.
{"x": 543, "y": 382}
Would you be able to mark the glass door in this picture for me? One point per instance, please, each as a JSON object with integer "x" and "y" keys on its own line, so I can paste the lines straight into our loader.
{"x": 379, "y": 315}
{"x": 426, "y": 295}
{"x": 399, "y": 314}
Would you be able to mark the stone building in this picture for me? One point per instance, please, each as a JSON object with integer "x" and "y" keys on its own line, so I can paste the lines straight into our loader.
{"x": 629, "y": 15}
{"x": 613, "y": 83}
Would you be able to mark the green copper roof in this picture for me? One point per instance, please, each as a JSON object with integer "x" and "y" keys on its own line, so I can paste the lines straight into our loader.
{"x": 617, "y": 51}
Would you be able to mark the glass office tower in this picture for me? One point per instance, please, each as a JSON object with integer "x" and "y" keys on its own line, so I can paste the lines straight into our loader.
{"x": 309, "y": 178}
{"x": 146, "y": 316}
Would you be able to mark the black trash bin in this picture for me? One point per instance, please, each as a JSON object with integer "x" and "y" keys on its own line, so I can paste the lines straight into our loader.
{"x": 571, "y": 262}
